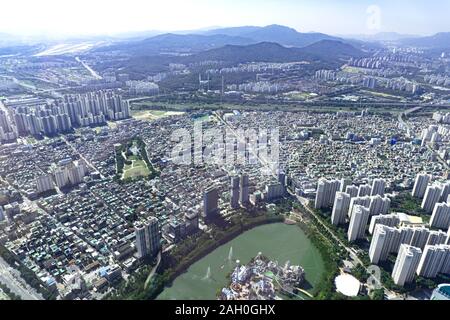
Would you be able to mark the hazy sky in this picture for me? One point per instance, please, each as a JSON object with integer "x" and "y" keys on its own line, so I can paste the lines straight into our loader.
{"x": 116, "y": 16}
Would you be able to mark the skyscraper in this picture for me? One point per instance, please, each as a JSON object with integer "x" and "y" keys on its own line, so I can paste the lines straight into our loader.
{"x": 435, "y": 259}
{"x": 420, "y": 185}
{"x": 390, "y": 220}
{"x": 379, "y": 205}
{"x": 406, "y": 264}
{"x": 441, "y": 216}
{"x": 148, "y": 238}
{"x": 378, "y": 187}
{"x": 234, "y": 192}
{"x": 344, "y": 184}
{"x": 340, "y": 208}
{"x": 377, "y": 244}
{"x": 432, "y": 196}
{"x": 358, "y": 223}
{"x": 211, "y": 202}
{"x": 326, "y": 193}
{"x": 436, "y": 238}
{"x": 362, "y": 201}
{"x": 244, "y": 185}
{"x": 364, "y": 190}
{"x": 352, "y": 191}
{"x": 445, "y": 191}
{"x": 44, "y": 183}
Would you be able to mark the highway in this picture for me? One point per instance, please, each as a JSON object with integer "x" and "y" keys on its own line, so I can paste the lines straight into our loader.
{"x": 91, "y": 71}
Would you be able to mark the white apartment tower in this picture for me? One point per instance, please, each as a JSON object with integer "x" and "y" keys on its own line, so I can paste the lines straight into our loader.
{"x": 358, "y": 223}
{"x": 378, "y": 187}
{"x": 441, "y": 216}
{"x": 420, "y": 185}
{"x": 148, "y": 238}
{"x": 340, "y": 208}
{"x": 432, "y": 196}
{"x": 406, "y": 264}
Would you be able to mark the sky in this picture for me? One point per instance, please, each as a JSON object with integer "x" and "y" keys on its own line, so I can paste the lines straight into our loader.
{"x": 339, "y": 17}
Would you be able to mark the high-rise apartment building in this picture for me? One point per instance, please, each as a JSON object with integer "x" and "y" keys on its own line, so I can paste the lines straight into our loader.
{"x": 406, "y": 264}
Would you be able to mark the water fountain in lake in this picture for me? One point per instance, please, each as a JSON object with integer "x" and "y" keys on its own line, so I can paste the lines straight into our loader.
{"x": 230, "y": 254}
{"x": 208, "y": 274}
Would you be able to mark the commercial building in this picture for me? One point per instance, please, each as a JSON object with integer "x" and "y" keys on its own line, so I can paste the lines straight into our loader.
{"x": 244, "y": 192}
{"x": 211, "y": 202}
{"x": 442, "y": 292}
{"x": 234, "y": 192}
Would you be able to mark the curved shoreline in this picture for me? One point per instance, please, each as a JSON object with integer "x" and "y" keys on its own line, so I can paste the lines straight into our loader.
{"x": 182, "y": 268}
{"x": 172, "y": 286}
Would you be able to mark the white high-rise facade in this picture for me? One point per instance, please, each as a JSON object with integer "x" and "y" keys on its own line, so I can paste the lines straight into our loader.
{"x": 358, "y": 223}
{"x": 148, "y": 238}
{"x": 340, "y": 208}
{"x": 378, "y": 187}
{"x": 244, "y": 189}
{"x": 390, "y": 220}
{"x": 364, "y": 190}
{"x": 234, "y": 192}
{"x": 326, "y": 193}
{"x": 44, "y": 183}
{"x": 441, "y": 216}
{"x": 406, "y": 264}
{"x": 352, "y": 191}
{"x": 379, "y": 205}
{"x": 435, "y": 259}
{"x": 432, "y": 196}
{"x": 420, "y": 185}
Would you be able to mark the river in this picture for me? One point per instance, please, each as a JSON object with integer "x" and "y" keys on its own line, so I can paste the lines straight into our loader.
{"x": 279, "y": 242}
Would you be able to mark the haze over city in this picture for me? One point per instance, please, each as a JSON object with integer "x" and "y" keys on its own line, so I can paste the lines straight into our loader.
{"x": 86, "y": 17}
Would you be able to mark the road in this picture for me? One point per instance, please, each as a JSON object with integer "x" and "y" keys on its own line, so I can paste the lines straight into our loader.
{"x": 81, "y": 156}
{"x": 404, "y": 114}
{"x": 12, "y": 279}
{"x": 152, "y": 273}
{"x": 91, "y": 71}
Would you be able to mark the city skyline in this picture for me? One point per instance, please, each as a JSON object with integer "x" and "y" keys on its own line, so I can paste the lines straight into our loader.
{"x": 49, "y": 18}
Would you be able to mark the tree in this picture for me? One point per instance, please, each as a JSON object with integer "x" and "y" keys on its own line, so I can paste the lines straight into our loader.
{"x": 377, "y": 294}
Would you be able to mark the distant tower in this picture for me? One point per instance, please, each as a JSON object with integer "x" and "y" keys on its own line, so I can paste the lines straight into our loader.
{"x": 234, "y": 192}
{"x": 210, "y": 202}
{"x": 244, "y": 186}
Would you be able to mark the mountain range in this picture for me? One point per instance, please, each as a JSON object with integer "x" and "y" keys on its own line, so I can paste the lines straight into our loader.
{"x": 192, "y": 43}
{"x": 437, "y": 41}
{"x": 325, "y": 50}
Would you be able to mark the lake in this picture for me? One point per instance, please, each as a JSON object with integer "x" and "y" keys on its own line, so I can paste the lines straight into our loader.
{"x": 280, "y": 242}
